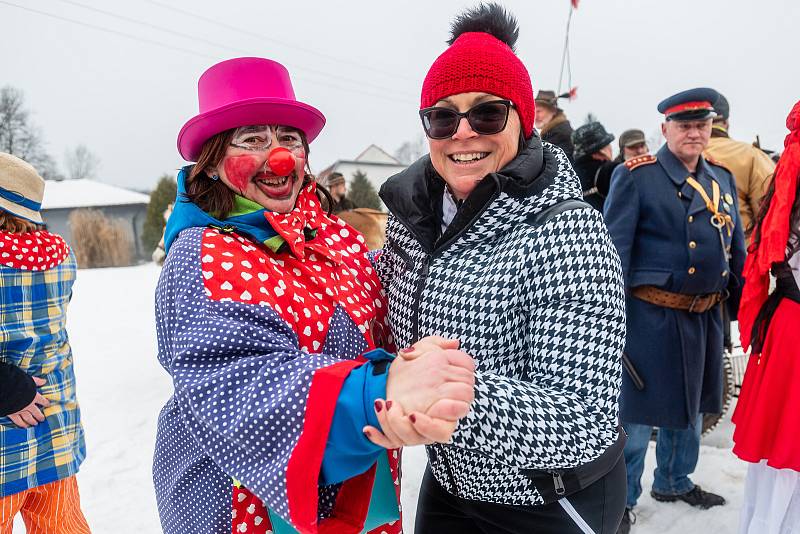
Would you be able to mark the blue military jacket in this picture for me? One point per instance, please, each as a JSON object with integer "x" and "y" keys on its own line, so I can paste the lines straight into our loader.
{"x": 662, "y": 229}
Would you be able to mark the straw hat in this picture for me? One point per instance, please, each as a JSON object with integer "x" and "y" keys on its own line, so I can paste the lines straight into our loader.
{"x": 21, "y": 188}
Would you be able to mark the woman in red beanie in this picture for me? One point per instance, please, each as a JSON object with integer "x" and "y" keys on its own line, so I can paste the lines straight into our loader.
{"x": 767, "y": 415}
{"x": 489, "y": 243}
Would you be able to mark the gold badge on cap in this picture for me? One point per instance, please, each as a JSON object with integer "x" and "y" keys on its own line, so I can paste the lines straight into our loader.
{"x": 728, "y": 198}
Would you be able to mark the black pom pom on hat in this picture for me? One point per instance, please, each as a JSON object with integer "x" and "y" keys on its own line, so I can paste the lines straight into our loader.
{"x": 491, "y": 18}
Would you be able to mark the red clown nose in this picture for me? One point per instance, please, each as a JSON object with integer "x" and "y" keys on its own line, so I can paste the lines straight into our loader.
{"x": 281, "y": 161}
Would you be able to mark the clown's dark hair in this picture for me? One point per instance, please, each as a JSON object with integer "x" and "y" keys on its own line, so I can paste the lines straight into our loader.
{"x": 491, "y": 18}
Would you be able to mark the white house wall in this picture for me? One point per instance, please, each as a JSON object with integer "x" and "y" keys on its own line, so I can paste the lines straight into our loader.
{"x": 376, "y": 174}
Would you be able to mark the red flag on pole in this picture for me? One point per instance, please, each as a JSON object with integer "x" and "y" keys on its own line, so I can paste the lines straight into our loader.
{"x": 573, "y": 92}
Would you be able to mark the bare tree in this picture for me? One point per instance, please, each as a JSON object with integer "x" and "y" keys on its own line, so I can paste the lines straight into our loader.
{"x": 411, "y": 151}
{"x": 81, "y": 163}
{"x": 19, "y": 136}
{"x": 13, "y": 121}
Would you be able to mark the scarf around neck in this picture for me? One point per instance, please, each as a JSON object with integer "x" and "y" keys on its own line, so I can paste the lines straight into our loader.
{"x": 269, "y": 228}
{"x": 774, "y": 230}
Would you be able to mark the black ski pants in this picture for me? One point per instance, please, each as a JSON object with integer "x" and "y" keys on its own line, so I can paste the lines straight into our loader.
{"x": 600, "y": 506}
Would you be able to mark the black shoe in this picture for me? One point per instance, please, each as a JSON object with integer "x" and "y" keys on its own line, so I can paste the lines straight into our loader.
{"x": 628, "y": 519}
{"x": 696, "y": 497}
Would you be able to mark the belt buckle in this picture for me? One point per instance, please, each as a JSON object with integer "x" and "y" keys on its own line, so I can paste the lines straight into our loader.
{"x": 694, "y": 303}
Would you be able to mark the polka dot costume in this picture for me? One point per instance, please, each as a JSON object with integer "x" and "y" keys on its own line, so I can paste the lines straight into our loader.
{"x": 258, "y": 344}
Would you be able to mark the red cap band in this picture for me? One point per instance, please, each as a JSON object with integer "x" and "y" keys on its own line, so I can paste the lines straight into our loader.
{"x": 689, "y": 106}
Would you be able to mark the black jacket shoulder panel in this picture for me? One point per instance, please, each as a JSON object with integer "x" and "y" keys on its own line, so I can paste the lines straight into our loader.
{"x": 540, "y": 218}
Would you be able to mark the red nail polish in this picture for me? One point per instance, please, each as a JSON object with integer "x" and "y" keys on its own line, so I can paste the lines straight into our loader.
{"x": 388, "y": 405}
{"x": 413, "y": 418}
{"x": 366, "y": 433}
{"x": 378, "y": 406}
{"x": 407, "y": 349}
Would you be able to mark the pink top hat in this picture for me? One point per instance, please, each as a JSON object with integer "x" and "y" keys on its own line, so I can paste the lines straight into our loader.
{"x": 244, "y": 91}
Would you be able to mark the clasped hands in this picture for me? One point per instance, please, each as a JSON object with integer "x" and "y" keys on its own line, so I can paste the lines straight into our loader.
{"x": 429, "y": 388}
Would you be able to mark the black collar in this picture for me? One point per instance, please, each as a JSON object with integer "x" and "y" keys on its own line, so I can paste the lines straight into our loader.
{"x": 414, "y": 196}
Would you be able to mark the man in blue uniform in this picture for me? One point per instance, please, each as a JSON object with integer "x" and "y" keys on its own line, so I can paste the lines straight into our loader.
{"x": 675, "y": 222}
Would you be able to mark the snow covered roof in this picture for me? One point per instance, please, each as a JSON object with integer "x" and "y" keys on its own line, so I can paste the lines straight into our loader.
{"x": 87, "y": 194}
{"x": 375, "y": 154}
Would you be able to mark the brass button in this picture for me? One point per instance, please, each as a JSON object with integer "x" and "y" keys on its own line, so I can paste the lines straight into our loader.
{"x": 691, "y": 218}
{"x": 724, "y": 273}
{"x": 692, "y": 244}
{"x": 692, "y": 270}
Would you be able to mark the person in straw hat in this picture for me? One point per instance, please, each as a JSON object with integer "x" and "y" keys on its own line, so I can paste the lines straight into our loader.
{"x": 41, "y": 437}
{"x": 271, "y": 322}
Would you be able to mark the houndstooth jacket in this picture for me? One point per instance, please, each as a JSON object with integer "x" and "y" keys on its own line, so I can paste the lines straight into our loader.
{"x": 540, "y": 307}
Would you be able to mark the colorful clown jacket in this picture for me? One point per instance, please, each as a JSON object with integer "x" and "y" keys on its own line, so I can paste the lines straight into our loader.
{"x": 259, "y": 338}
{"x": 37, "y": 270}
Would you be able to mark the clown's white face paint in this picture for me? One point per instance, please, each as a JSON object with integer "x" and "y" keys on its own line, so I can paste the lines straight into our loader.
{"x": 258, "y": 138}
{"x": 245, "y": 170}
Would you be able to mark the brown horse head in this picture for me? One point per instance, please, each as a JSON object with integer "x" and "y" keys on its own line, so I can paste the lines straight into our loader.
{"x": 371, "y": 223}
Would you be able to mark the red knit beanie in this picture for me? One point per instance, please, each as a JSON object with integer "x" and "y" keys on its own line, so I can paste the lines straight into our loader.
{"x": 477, "y": 61}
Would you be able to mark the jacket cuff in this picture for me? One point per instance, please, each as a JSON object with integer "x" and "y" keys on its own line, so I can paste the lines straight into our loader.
{"x": 348, "y": 452}
{"x": 378, "y": 361}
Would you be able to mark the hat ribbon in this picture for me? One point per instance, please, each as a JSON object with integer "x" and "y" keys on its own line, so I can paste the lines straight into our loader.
{"x": 19, "y": 198}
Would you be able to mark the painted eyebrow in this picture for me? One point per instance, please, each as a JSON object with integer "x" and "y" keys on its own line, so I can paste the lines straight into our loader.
{"x": 253, "y": 129}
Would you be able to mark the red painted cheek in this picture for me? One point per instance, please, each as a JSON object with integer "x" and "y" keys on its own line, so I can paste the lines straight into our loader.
{"x": 239, "y": 170}
{"x": 299, "y": 167}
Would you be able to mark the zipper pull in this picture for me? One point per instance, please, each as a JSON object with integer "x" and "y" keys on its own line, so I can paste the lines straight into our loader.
{"x": 559, "y": 484}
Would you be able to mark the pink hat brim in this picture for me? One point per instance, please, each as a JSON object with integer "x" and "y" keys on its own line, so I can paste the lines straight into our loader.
{"x": 201, "y": 128}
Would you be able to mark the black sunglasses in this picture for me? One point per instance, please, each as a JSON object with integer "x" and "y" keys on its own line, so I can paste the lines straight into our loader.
{"x": 487, "y": 118}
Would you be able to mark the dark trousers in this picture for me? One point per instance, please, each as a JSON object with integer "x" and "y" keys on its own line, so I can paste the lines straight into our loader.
{"x": 600, "y": 505}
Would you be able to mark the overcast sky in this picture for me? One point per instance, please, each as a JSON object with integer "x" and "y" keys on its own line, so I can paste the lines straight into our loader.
{"x": 123, "y": 82}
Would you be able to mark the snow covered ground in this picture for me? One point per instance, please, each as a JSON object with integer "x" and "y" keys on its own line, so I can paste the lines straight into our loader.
{"x": 121, "y": 389}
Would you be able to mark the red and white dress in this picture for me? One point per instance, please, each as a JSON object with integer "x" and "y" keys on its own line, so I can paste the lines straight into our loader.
{"x": 767, "y": 419}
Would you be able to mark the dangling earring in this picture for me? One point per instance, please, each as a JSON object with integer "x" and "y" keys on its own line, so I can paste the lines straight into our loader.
{"x": 215, "y": 177}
